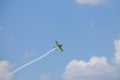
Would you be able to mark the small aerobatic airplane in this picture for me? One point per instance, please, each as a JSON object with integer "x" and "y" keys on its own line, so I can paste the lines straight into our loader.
{"x": 59, "y": 46}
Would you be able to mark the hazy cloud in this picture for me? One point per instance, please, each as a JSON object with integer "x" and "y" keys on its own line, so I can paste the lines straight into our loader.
{"x": 90, "y": 25}
{"x": 97, "y": 68}
{"x": 0, "y": 28}
{"x": 5, "y": 67}
{"x": 117, "y": 52}
{"x": 9, "y": 39}
{"x": 5, "y": 36}
{"x": 1, "y": 31}
{"x": 30, "y": 54}
{"x": 90, "y": 1}
{"x": 45, "y": 77}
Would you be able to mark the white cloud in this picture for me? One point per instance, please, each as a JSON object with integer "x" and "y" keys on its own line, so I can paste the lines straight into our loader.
{"x": 97, "y": 68}
{"x": 45, "y": 77}
{"x": 117, "y": 51}
{"x": 5, "y": 71}
{"x": 90, "y": 1}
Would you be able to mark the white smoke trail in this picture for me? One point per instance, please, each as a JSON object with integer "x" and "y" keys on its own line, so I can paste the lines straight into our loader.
{"x": 33, "y": 61}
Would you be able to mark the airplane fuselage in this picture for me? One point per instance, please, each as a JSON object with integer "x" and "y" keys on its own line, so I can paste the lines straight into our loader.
{"x": 58, "y": 45}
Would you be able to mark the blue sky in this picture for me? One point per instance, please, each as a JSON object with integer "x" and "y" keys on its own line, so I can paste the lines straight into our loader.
{"x": 88, "y": 29}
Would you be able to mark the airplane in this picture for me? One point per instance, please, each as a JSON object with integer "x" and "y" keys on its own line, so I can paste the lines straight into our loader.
{"x": 59, "y": 46}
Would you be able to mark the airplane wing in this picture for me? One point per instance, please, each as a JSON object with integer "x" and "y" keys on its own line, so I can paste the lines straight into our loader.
{"x": 60, "y": 49}
{"x": 57, "y": 44}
